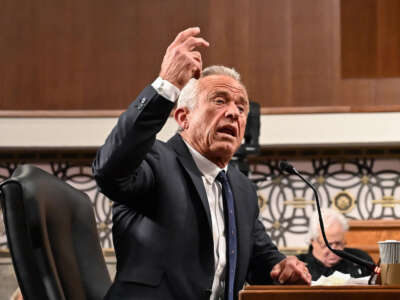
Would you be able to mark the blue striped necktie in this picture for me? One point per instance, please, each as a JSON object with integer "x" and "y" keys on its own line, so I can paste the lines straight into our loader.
{"x": 230, "y": 234}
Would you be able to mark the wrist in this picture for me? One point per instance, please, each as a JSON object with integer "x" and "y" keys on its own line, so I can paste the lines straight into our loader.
{"x": 166, "y": 89}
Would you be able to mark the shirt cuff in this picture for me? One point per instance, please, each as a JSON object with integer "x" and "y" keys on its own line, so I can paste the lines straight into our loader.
{"x": 166, "y": 89}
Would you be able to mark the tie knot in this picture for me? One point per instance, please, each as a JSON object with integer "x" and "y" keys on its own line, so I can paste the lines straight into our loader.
{"x": 221, "y": 177}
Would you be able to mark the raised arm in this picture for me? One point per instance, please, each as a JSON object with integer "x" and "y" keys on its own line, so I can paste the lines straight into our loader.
{"x": 132, "y": 138}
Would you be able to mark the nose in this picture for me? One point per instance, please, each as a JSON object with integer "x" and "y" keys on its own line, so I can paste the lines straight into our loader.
{"x": 232, "y": 111}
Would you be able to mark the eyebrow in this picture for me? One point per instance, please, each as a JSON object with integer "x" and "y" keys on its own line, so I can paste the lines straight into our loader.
{"x": 224, "y": 94}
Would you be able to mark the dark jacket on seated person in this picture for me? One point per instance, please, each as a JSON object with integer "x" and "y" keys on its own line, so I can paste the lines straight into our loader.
{"x": 345, "y": 266}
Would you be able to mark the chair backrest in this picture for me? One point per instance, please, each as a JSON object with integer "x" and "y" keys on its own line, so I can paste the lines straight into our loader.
{"x": 52, "y": 237}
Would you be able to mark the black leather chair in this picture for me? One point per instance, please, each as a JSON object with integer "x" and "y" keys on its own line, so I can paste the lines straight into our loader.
{"x": 52, "y": 237}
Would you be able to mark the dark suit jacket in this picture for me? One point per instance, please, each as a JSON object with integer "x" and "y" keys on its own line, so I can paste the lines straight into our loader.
{"x": 162, "y": 225}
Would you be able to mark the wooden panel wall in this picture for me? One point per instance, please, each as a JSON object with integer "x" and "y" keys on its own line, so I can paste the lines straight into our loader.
{"x": 98, "y": 54}
{"x": 359, "y": 38}
{"x": 365, "y": 234}
{"x": 370, "y": 31}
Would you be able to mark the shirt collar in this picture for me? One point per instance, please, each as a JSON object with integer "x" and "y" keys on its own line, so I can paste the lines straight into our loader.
{"x": 206, "y": 167}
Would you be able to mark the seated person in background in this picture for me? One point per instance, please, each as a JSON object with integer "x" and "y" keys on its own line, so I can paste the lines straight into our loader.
{"x": 319, "y": 259}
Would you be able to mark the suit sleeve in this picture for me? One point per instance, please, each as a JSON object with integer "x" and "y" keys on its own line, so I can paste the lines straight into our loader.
{"x": 264, "y": 257}
{"x": 119, "y": 168}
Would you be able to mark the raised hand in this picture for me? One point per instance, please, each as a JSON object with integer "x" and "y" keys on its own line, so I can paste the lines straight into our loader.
{"x": 182, "y": 61}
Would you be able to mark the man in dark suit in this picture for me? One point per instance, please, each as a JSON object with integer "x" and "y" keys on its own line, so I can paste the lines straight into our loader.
{"x": 174, "y": 222}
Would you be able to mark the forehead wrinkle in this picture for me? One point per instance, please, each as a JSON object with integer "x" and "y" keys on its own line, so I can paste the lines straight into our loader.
{"x": 230, "y": 86}
{"x": 212, "y": 85}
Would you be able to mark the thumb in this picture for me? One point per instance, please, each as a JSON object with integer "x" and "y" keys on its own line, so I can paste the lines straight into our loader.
{"x": 276, "y": 270}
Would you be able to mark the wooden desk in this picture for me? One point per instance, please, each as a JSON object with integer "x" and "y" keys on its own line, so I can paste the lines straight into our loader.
{"x": 302, "y": 292}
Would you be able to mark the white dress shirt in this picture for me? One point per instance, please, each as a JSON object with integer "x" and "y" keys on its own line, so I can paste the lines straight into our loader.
{"x": 214, "y": 195}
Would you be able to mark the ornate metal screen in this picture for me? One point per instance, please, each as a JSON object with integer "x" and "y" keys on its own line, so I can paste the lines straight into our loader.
{"x": 361, "y": 188}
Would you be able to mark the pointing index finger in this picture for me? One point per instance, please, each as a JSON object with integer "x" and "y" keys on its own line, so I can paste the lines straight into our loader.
{"x": 188, "y": 36}
{"x": 183, "y": 35}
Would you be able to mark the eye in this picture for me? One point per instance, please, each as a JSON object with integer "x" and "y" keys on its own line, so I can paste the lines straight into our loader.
{"x": 219, "y": 101}
{"x": 241, "y": 108}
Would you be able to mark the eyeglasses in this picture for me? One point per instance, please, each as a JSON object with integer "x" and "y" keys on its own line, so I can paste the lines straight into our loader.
{"x": 333, "y": 245}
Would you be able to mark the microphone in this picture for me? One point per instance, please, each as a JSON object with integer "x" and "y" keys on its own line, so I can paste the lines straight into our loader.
{"x": 287, "y": 167}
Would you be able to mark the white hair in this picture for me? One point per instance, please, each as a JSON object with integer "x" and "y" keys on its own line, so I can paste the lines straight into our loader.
{"x": 329, "y": 216}
{"x": 188, "y": 95}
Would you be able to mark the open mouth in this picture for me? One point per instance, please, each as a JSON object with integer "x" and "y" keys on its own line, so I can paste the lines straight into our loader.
{"x": 230, "y": 130}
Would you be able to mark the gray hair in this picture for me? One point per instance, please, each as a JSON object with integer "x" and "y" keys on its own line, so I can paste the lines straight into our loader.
{"x": 188, "y": 95}
{"x": 329, "y": 216}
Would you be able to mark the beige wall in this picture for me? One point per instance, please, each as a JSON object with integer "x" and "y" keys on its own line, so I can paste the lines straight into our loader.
{"x": 278, "y": 130}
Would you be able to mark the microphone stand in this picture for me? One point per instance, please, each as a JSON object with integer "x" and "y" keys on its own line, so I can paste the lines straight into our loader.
{"x": 285, "y": 166}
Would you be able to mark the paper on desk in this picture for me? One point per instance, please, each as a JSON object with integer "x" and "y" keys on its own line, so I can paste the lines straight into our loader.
{"x": 339, "y": 278}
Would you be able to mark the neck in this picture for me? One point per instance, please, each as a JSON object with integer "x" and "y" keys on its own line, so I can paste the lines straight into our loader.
{"x": 217, "y": 160}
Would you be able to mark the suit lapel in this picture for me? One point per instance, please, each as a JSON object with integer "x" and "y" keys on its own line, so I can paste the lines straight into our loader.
{"x": 194, "y": 173}
{"x": 240, "y": 194}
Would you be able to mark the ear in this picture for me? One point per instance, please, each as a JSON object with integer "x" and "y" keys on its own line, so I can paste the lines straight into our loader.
{"x": 181, "y": 117}
{"x": 314, "y": 243}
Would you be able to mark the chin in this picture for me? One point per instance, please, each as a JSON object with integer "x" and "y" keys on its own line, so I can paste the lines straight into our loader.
{"x": 332, "y": 263}
{"x": 226, "y": 145}
{"x": 224, "y": 150}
